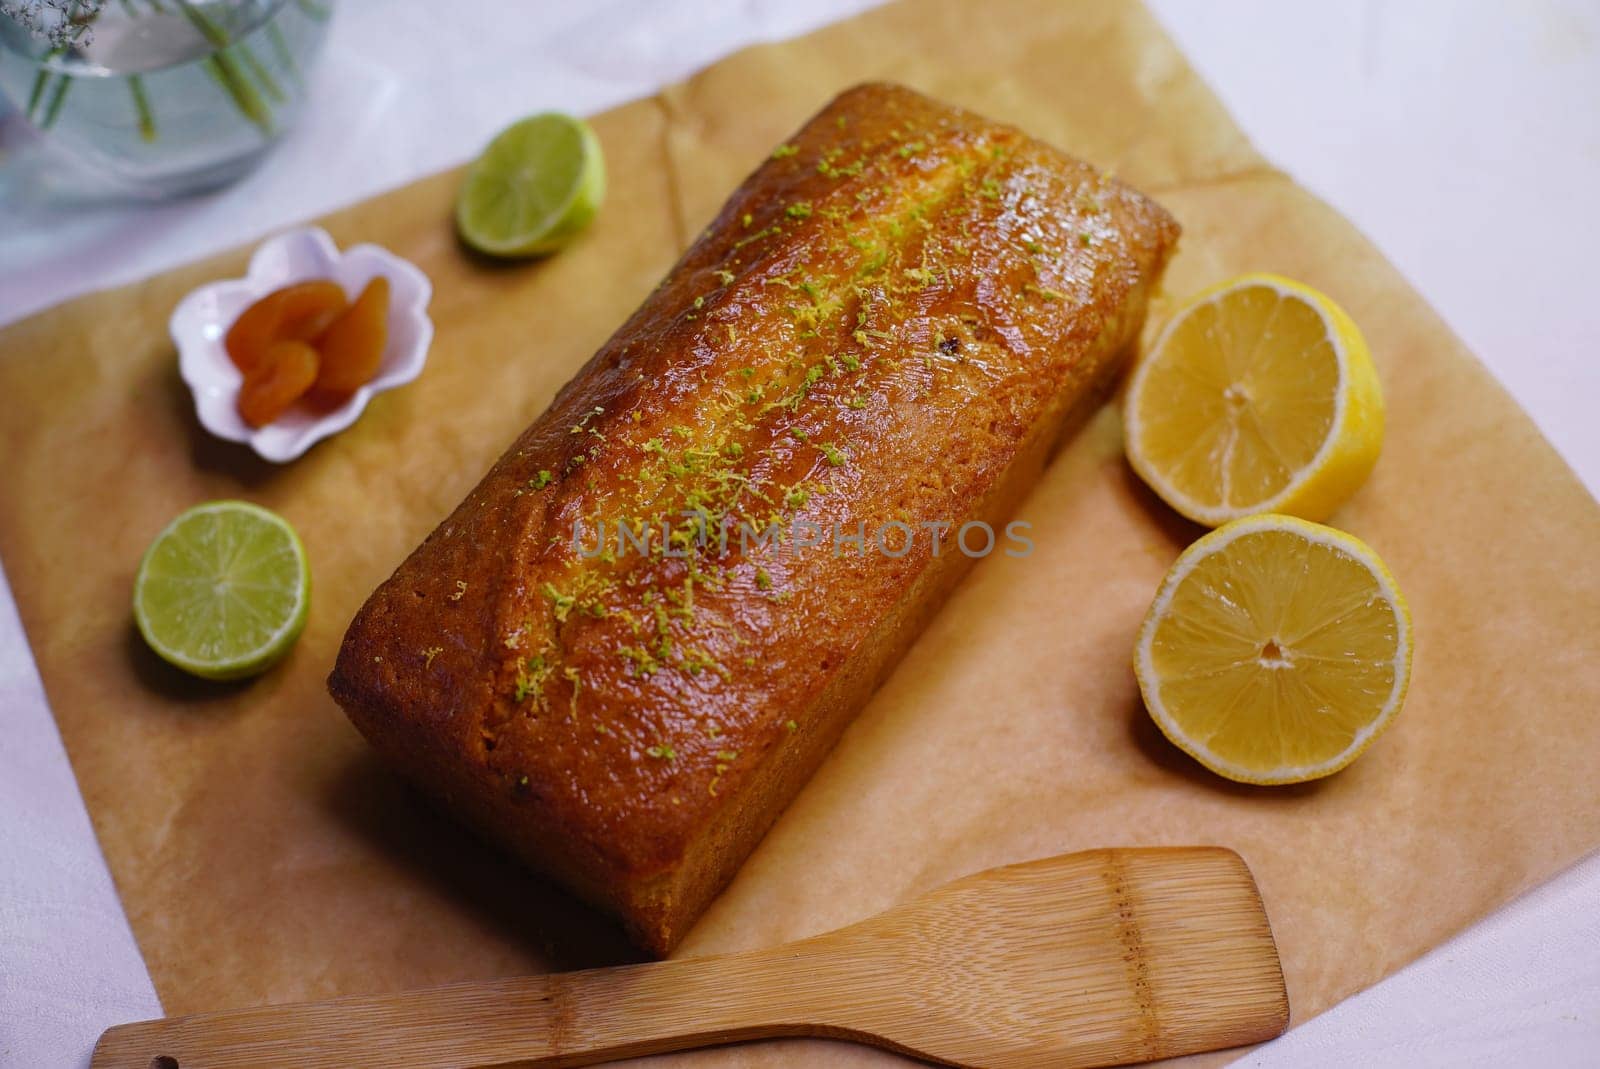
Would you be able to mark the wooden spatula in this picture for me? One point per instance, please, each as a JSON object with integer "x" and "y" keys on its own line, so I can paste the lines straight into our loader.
{"x": 1099, "y": 958}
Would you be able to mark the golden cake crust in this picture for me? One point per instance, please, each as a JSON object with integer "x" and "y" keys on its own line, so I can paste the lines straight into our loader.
{"x": 887, "y": 323}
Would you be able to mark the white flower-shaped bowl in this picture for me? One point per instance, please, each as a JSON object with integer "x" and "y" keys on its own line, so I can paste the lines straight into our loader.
{"x": 202, "y": 318}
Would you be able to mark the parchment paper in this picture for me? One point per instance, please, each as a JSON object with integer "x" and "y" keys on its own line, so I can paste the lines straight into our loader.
{"x": 263, "y": 856}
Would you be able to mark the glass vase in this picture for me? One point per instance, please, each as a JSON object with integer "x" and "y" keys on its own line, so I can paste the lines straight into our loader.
{"x": 168, "y": 96}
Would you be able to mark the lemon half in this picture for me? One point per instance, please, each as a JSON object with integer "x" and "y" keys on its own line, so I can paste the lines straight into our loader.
{"x": 1276, "y": 650}
{"x": 1259, "y": 396}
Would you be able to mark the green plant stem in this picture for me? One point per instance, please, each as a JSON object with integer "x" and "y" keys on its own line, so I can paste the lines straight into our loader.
{"x": 215, "y": 35}
{"x": 224, "y": 68}
{"x": 141, "y": 108}
{"x": 53, "y": 111}
{"x": 315, "y": 10}
{"x": 36, "y": 94}
{"x": 280, "y": 49}
{"x": 40, "y": 81}
{"x": 264, "y": 76}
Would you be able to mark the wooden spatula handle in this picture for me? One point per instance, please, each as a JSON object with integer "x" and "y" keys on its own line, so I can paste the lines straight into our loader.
{"x": 564, "y": 1019}
{"x": 1098, "y": 958}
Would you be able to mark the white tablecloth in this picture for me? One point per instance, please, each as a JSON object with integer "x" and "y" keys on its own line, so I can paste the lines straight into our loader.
{"x": 1463, "y": 137}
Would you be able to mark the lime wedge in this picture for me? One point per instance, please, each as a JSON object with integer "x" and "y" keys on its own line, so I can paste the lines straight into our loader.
{"x": 538, "y": 184}
{"x": 223, "y": 592}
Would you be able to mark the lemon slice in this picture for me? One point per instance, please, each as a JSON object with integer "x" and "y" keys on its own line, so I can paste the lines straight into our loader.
{"x": 1276, "y": 650}
{"x": 223, "y": 591}
{"x": 1258, "y": 396}
{"x": 540, "y": 182}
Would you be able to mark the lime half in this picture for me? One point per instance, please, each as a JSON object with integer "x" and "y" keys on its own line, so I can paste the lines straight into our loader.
{"x": 223, "y": 591}
{"x": 538, "y": 184}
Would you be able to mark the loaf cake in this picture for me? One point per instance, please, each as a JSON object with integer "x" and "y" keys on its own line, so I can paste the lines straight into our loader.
{"x": 619, "y": 656}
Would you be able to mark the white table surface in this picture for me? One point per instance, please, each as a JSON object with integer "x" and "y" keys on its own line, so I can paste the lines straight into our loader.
{"x": 1485, "y": 117}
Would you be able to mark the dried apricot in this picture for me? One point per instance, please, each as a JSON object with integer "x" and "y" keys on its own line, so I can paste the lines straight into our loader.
{"x": 352, "y": 348}
{"x": 281, "y": 377}
{"x": 298, "y": 312}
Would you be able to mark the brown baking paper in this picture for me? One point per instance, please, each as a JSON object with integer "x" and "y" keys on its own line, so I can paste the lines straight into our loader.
{"x": 263, "y": 856}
